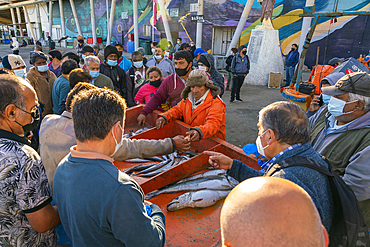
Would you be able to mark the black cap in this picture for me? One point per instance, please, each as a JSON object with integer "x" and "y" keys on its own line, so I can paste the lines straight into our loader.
{"x": 36, "y": 56}
{"x": 87, "y": 48}
{"x": 110, "y": 49}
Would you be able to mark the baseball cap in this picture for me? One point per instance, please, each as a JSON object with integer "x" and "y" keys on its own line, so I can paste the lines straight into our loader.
{"x": 357, "y": 83}
{"x": 335, "y": 60}
{"x": 13, "y": 62}
{"x": 199, "y": 51}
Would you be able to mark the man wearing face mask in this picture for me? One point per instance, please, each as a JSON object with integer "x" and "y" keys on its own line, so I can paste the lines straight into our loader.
{"x": 42, "y": 80}
{"x": 341, "y": 133}
{"x": 27, "y": 216}
{"x": 284, "y": 132}
{"x": 206, "y": 62}
{"x": 80, "y": 45}
{"x": 111, "y": 69}
{"x": 120, "y": 216}
{"x": 92, "y": 66}
{"x": 240, "y": 68}
{"x": 135, "y": 77}
{"x": 16, "y": 64}
{"x": 123, "y": 62}
{"x": 161, "y": 62}
{"x": 329, "y": 80}
{"x": 171, "y": 88}
{"x": 291, "y": 61}
{"x": 86, "y": 51}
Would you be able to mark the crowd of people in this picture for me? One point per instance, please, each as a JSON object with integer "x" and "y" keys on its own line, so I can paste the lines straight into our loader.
{"x": 62, "y": 126}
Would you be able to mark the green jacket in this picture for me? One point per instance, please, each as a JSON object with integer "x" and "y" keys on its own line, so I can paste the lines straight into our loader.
{"x": 103, "y": 81}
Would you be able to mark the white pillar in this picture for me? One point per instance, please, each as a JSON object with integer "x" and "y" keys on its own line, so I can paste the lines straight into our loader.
{"x": 38, "y": 20}
{"x": 19, "y": 20}
{"x": 165, "y": 22}
{"x": 111, "y": 20}
{"x": 306, "y": 24}
{"x": 93, "y": 26}
{"x": 199, "y": 25}
{"x": 136, "y": 25}
{"x": 51, "y": 19}
{"x": 108, "y": 29}
{"x": 75, "y": 16}
{"x": 14, "y": 22}
{"x": 29, "y": 23}
{"x": 239, "y": 28}
{"x": 62, "y": 23}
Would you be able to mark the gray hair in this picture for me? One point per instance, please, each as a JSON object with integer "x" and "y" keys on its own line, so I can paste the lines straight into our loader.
{"x": 288, "y": 120}
{"x": 91, "y": 59}
{"x": 95, "y": 112}
{"x": 366, "y": 100}
{"x": 11, "y": 88}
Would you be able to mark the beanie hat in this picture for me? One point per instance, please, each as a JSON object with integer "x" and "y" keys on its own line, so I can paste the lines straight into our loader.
{"x": 202, "y": 59}
{"x": 13, "y": 62}
{"x": 36, "y": 56}
{"x": 199, "y": 51}
{"x": 87, "y": 48}
{"x": 110, "y": 49}
{"x": 56, "y": 54}
{"x": 199, "y": 78}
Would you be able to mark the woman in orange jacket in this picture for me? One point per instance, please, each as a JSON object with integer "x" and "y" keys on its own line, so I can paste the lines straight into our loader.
{"x": 201, "y": 108}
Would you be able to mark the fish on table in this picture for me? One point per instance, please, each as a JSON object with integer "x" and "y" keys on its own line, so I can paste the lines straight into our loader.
{"x": 197, "y": 199}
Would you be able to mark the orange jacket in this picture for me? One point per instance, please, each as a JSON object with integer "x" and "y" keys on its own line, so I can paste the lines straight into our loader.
{"x": 208, "y": 118}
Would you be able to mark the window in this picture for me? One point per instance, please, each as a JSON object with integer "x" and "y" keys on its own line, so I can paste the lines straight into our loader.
{"x": 147, "y": 30}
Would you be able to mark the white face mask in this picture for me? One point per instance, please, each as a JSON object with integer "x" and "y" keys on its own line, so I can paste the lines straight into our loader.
{"x": 336, "y": 106}
{"x": 260, "y": 148}
{"x": 203, "y": 68}
{"x": 118, "y": 145}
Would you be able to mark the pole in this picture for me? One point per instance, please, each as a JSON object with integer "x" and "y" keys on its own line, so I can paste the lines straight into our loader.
{"x": 13, "y": 20}
{"x": 75, "y": 16}
{"x": 38, "y": 18}
{"x": 239, "y": 28}
{"x": 19, "y": 20}
{"x": 306, "y": 23}
{"x": 199, "y": 25}
{"x": 62, "y": 22}
{"x": 29, "y": 23}
{"x": 51, "y": 19}
{"x": 153, "y": 22}
{"x": 108, "y": 30}
{"x": 111, "y": 20}
{"x": 165, "y": 22}
{"x": 93, "y": 26}
{"x": 136, "y": 25}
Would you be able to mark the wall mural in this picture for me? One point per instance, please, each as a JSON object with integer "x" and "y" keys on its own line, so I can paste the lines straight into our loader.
{"x": 347, "y": 33}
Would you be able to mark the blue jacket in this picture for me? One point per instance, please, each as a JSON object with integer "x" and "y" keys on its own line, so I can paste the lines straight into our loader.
{"x": 292, "y": 59}
{"x": 240, "y": 65}
{"x": 312, "y": 181}
{"x": 125, "y": 64}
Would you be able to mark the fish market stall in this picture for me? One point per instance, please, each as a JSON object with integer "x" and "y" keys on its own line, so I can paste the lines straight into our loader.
{"x": 192, "y": 206}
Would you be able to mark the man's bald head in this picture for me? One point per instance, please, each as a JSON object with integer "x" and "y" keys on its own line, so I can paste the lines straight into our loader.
{"x": 270, "y": 211}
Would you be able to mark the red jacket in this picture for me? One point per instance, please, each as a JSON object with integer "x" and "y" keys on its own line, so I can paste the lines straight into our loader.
{"x": 208, "y": 118}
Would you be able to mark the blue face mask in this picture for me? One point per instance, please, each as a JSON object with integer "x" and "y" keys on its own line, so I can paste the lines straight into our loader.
{"x": 83, "y": 57}
{"x": 112, "y": 62}
{"x": 20, "y": 72}
{"x": 138, "y": 65}
{"x": 94, "y": 74}
{"x": 42, "y": 68}
{"x": 326, "y": 98}
{"x": 336, "y": 106}
{"x": 1, "y": 65}
{"x": 158, "y": 57}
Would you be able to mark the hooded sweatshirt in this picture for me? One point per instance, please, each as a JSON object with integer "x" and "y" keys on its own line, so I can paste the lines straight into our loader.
{"x": 216, "y": 77}
{"x": 15, "y": 44}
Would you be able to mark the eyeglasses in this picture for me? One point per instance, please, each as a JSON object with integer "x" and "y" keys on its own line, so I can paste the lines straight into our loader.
{"x": 34, "y": 111}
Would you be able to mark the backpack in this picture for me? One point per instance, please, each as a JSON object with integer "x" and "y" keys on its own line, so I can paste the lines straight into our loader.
{"x": 348, "y": 227}
{"x": 228, "y": 62}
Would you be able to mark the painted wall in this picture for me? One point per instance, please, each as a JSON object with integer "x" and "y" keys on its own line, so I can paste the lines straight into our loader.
{"x": 346, "y": 37}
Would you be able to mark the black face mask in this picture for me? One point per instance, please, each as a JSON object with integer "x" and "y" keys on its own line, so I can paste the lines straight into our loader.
{"x": 182, "y": 72}
{"x": 80, "y": 41}
{"x": 156, "y": 83}
{"x": 244, "y": 52}
{"x": 119, "y": 54}
{"x": 293, "y": 49}
{"x": 31, "y": 126}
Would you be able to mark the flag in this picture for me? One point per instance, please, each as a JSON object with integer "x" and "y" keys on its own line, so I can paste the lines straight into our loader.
{"x": 156, "y": 13}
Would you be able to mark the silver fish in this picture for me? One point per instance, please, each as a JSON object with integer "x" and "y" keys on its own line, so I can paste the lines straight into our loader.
{"x": 139, "y": 131}
{"x": 155, "y": 167}
{"x": 221, "y": 183}
{"x": 138, "y": 160}
{"x": 208, "y": 174}
{"x": 197, "y": 199}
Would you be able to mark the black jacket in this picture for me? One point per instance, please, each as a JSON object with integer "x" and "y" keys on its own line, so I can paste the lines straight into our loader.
{"x": 118, "y": 77}
{"x": 131, "y": 90}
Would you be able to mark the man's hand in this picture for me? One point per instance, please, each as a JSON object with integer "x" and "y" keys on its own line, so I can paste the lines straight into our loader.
{"x": 218, "y": 160}
{"x": 181, "y": 144}
{"x": 160, "y": 122}
{"x": 314, "y": 106}
{"x": 147, "y": 203}
{"x": 141, "y": 119}
{"x": 194, "y": 136}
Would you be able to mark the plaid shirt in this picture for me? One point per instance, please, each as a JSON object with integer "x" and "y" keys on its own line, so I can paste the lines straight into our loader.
{"x": 79, "y": 49}
{"x": 267, "y": 164}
